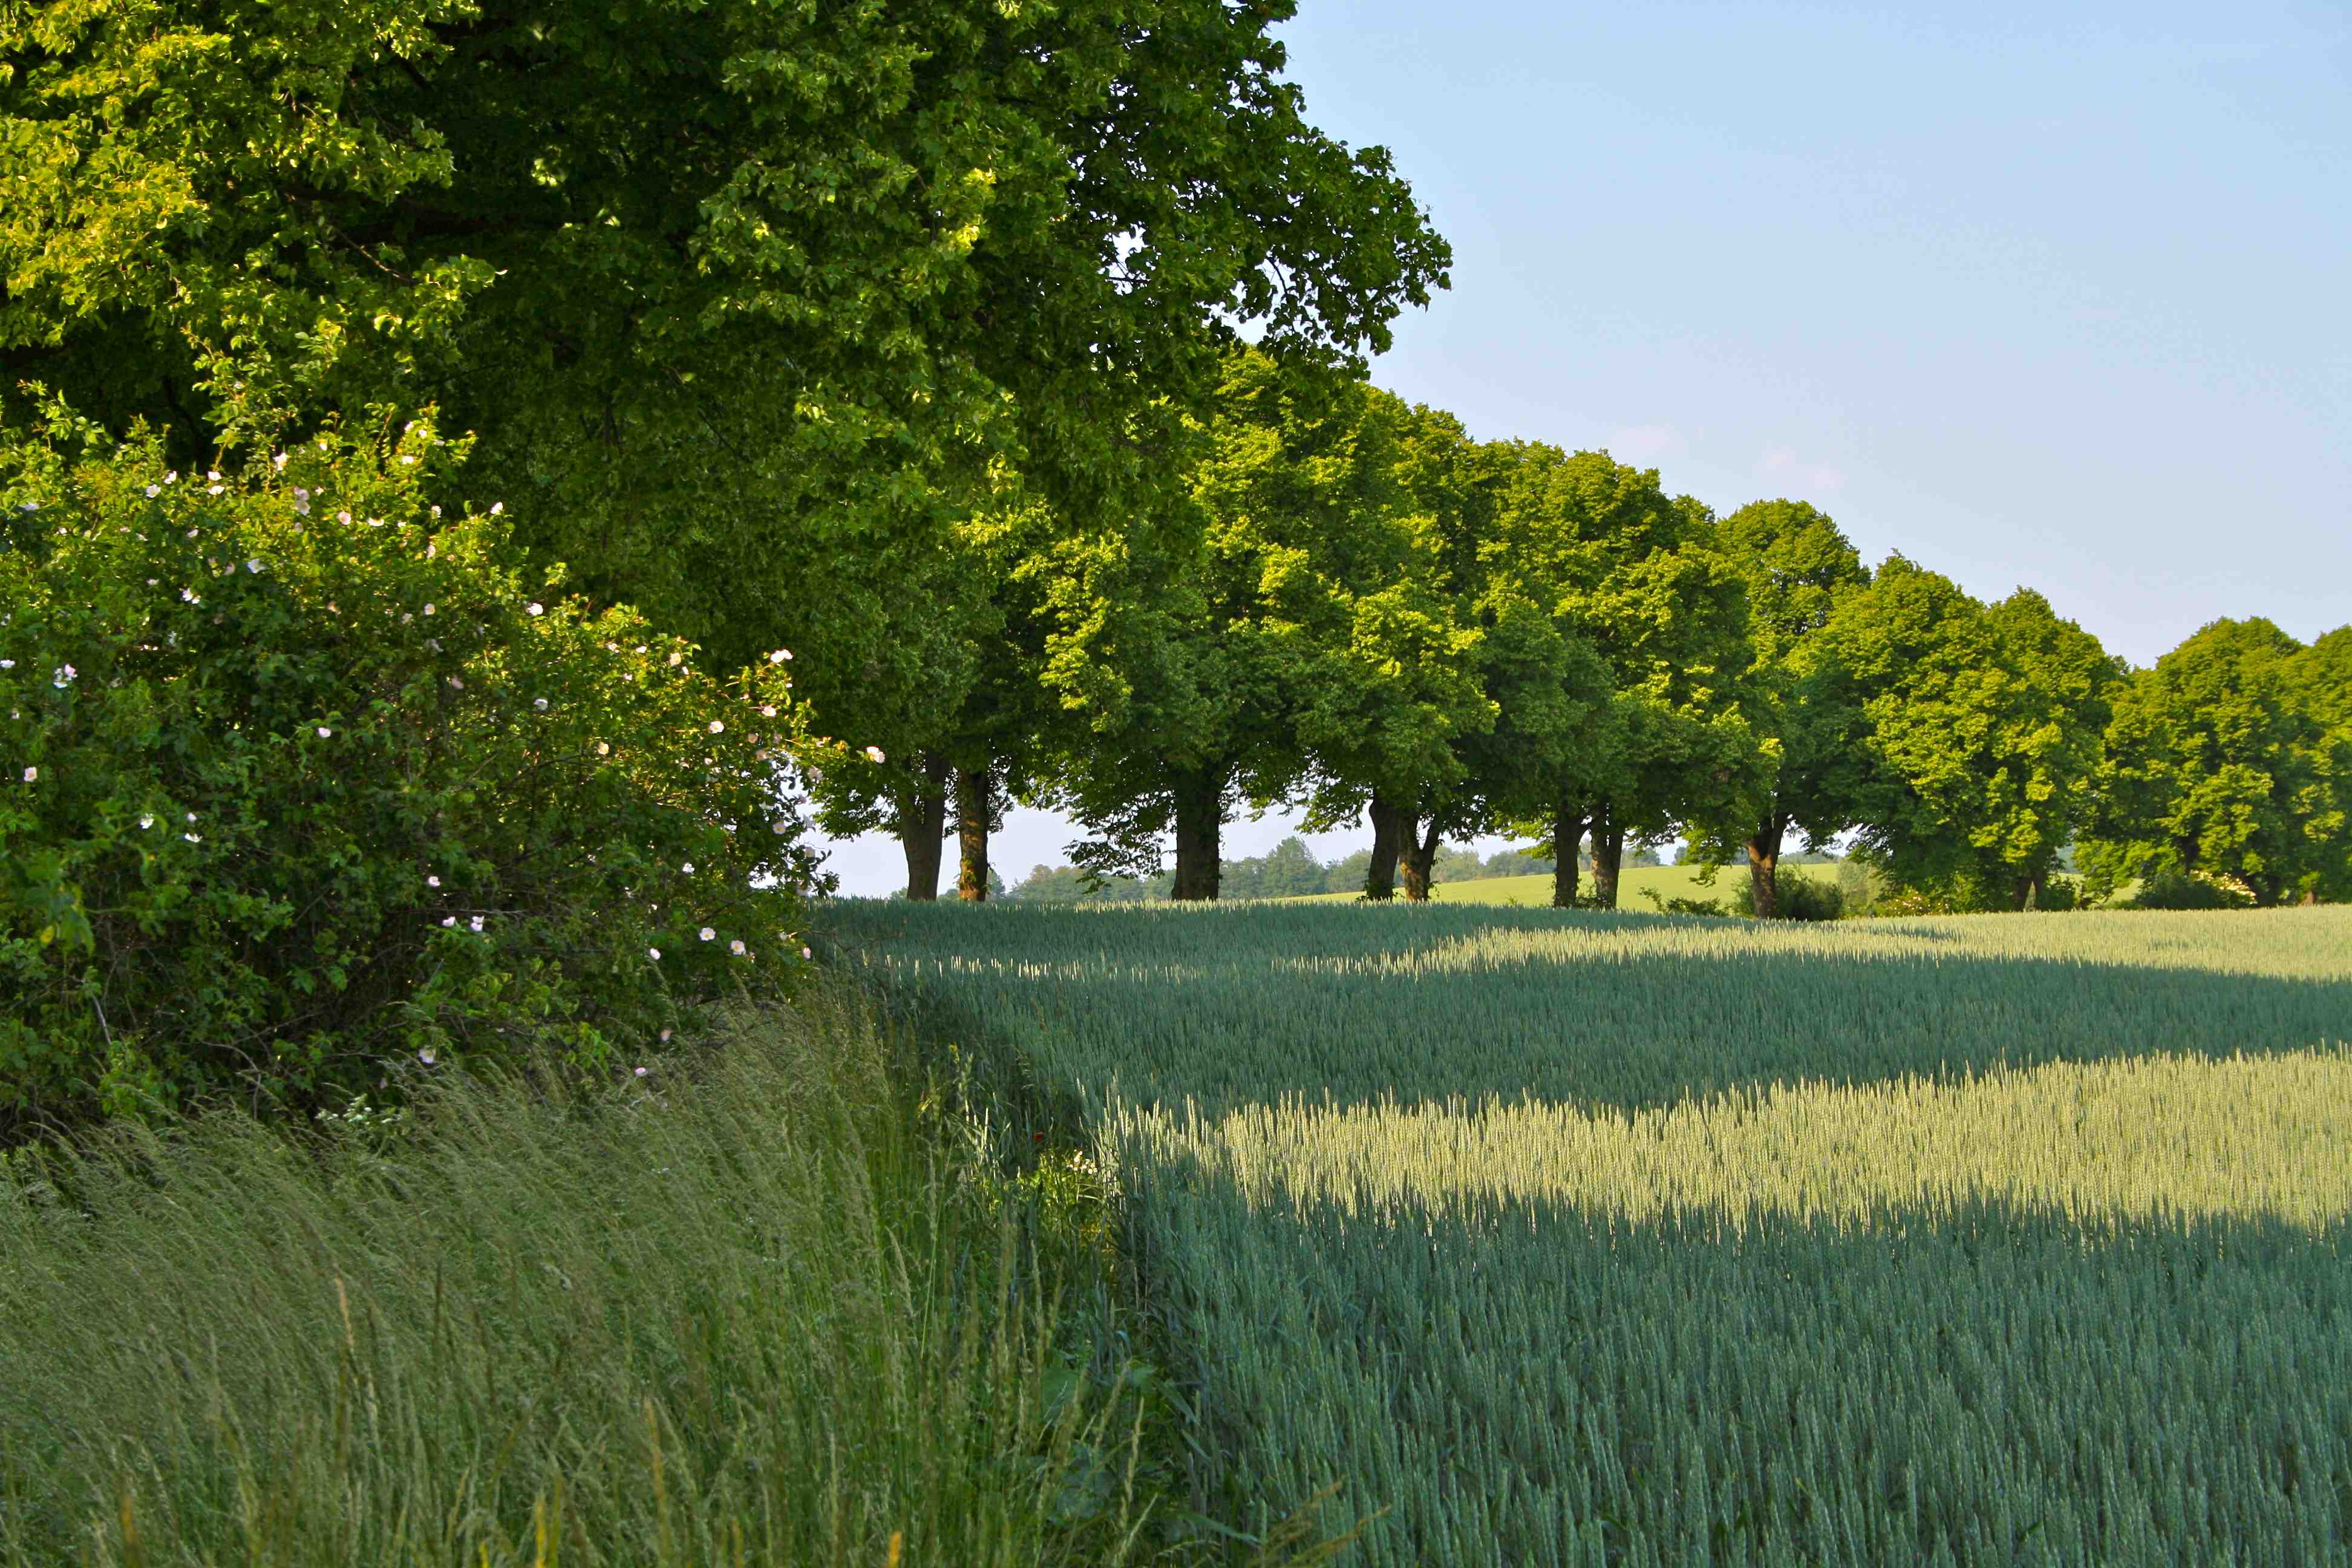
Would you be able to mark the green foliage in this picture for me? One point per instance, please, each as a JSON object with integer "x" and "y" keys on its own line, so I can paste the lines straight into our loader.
{"x": 1634, "y": 711}
{"x": 2169, "y": 889}
{"x": 746, "y": 302}
{"x": 1801, "y": 899}
{"x": 565, "y": 1322}
{"x": 1798, "y": 566}
{"x": 1873, "y": 1241}
{"x": 1977, "y": 728}
{"x": 2228, "y": 757}
{"x": 306, "y": 792}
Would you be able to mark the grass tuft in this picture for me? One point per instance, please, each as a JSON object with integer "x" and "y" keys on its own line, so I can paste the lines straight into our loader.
{"x": 758, "y": 1307}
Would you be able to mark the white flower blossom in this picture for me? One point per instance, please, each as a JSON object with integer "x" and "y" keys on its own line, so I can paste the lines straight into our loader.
{"x": 450, "y": 920}
{"x": 641, "y": 1072}
{"x": 65, "y": 676}
{"x": 874, "y": 753}
{"x": 153, "y": 491}
{"x": 689, "y": 867}
{"x": 324, "y": 732}
{"x": 425, "y": 1056}
{"x": 193, "y": 838}
{"x": 429, "y": 610}
{"x": 781, "y": 827}
{"x": 737, "y": 948}
{"x": 477, "y": 922}
{"x": 708, "y": 933}
{"x": 540, "y": 703}
{"x": 603, "y": 748}
{"x": 497, "y": 507}
{"x": 254, "y": 566}
{"x": 535, "y": 608}
{"x": 32, "y": 775}
{"x": 456, "y": 684}
{"x": 780, "y": 655}
{"x": 655, "y": 953}
{"x": 716, "y": 727}
{"x": 190, "y": 595}
{"x": 146, "y": 819}
{"x": 432, "y": 882}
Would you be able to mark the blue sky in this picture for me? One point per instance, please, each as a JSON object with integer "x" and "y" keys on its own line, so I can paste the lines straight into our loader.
{"x": 2059, "y": 297}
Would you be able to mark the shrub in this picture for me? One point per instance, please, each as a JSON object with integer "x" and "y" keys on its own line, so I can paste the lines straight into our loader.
{"x": 2057, "y": 894}
{"x": 1801, "y": 899}
{"x": 2186, "y": 890}
{"x": 1705, "y": 906}
{"x": 303, "y": 793}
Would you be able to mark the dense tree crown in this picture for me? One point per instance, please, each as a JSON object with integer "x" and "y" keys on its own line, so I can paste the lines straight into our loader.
{"x": 749, "y": 305}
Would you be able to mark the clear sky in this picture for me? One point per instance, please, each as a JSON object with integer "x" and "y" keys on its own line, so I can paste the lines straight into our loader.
{"x": 2059, "y": 296}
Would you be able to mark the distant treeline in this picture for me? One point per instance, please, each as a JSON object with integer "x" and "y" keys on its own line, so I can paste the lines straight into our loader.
{"x": 1288, "y": 870}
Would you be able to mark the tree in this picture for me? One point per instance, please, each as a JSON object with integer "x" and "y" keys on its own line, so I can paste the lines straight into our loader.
{"x": 744, "y": 301}
{"x": 1394, "y": 656}
{"x": 1309, "y": 633}
{"x": 981, "y": 737}
{"x": 1180, "y": 689}
{"x": 1290, "y": 871}
{"x": 2064, "y": 686}
{"x": 2218, "y": 764}
{"x": 1652, "y": 614}
{"x": 2325, "y": 676}
{"x": 1796, "y": 565}
{"x": 1975, "y": 730}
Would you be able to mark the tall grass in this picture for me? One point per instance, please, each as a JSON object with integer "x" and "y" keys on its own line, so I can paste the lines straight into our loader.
{"x": 741, "y": 1311}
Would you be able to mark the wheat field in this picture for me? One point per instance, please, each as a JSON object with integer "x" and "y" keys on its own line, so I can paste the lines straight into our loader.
{"x": 1575, "y": 1238}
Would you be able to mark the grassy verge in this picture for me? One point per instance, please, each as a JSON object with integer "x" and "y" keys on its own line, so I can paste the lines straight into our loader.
{"x": 769, "y": 1305}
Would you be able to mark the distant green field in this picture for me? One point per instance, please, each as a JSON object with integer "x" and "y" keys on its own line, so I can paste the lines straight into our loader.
{"x": 1535, "y": 892}
{"x": 1574, "y": 1238}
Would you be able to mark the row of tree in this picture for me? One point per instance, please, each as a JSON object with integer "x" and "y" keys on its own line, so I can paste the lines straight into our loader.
{"x": 1362, "y": 611}
{"x": 1290, "y": 870}
{"x": 909, "y": 338}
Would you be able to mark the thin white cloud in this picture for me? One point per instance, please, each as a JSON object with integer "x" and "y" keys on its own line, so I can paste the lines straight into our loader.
{"x": 1645, "y": 443}
{"x": 1781, "y": 464}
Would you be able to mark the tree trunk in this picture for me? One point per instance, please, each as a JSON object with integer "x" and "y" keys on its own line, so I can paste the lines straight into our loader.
{"x": 1390, "y": 830}
{"x": 922, "y": 825}
{"x": 1764, "y": 866}
{"x": 2029, "y": 892}
{"x": 1567, "y": 849}
{"x": 974, "y": 792}
{"x": 1608, "y": 857}
{"x": 1199, "y": 825}
{"x": 1419, "y": 857}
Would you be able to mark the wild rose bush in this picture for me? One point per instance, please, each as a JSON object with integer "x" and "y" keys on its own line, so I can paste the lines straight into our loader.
{"x": 305, "y": 792}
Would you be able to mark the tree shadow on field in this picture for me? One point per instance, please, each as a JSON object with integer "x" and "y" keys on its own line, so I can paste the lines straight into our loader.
{"x": 1929, "y": 1380}
{"x": 1247, "y": 1007}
